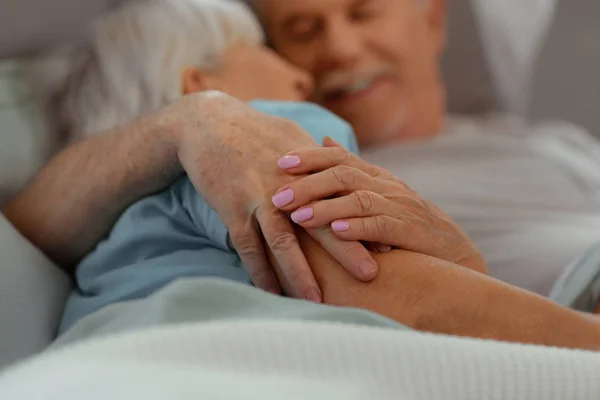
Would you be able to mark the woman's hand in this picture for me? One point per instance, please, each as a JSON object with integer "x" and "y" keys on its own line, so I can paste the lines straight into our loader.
{"x": 361, "y": 201}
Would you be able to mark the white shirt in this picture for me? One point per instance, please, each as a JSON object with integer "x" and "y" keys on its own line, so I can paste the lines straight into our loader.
{"x": 529, "y": 196}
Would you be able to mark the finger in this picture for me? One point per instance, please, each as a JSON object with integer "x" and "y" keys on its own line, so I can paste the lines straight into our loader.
{"x": 281, "y": 239}
{"x": 247, "y": 241}
{"x": 382, "y": 248}
{"x": 321, "y": 185}
{"x": 329, "y": 142}
{"x": 352, "y": 255}
{"x": 316, "y": 159}
{"x": 405, "y": 233}
{"x": 361, "y": 203}
{"x": 377, "y": 247}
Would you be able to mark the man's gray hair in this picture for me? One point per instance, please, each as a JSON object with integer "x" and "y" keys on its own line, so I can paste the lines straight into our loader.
{"x": 133, "y": 60}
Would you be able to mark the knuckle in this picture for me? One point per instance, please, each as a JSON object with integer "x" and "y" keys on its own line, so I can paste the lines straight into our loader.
{"x": 275, "y": 222}
{"x": 404, "y": 225}
{"x": 239, "y": 234}
{"x": 363, "y": 227}
{"x": 339, "y": 155}
{"x": 382, "y": 226}
{"x": 284, "y": 242}
{"x": 246, "y": 246}
{"x": 246, "y": 242}
{"x": 376, "y": 172}
{"x": 372, "y": 170}
{"x": 364, "y": 201}
{"x": 344, "y": 175}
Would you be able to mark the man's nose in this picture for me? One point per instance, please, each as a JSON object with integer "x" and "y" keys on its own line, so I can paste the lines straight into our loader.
{"x": 342, "y": 45}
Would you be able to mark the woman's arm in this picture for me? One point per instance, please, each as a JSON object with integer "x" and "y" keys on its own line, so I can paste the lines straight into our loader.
{"x": 432, "y": 295}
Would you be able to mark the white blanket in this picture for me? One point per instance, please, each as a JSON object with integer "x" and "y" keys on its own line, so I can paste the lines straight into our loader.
{"x": 301, "y": 360}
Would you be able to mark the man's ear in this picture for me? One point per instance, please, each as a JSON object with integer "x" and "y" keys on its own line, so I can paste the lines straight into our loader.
{"x": 192, "y": 80}
{"x": 437, "y": 15}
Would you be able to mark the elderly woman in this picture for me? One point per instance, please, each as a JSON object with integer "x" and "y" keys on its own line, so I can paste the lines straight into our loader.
{"x": 176, "y": 235}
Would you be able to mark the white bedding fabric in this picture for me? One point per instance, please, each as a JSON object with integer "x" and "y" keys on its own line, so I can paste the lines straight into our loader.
{"x": 513, "y": 34}
{"x": 32, "y": 296}
{"x": 301, "y": 360}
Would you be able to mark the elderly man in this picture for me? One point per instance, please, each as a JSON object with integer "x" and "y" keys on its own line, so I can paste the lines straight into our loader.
{"x": 376, "y": 64}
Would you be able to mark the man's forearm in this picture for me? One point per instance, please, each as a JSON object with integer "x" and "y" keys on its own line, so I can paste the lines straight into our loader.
{"x": 76, "y": 198}
{"x": 432, "y": 295}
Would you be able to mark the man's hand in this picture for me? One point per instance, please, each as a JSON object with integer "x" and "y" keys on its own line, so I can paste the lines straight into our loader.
{"x": 230, "y": 153}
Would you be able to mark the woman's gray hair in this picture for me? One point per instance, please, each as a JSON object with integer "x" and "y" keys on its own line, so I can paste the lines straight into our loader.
{"x": 133, "y": 60}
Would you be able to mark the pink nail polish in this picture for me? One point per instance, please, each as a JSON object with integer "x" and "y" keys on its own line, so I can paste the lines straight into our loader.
{"x": 288, "y": 162}
{"x": 284, "y": 198}
{"x": 302, "y": 215}
{"x": 340, "y": 226}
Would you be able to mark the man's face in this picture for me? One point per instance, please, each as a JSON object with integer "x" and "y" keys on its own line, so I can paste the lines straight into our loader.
{"x": 375, "y": 62}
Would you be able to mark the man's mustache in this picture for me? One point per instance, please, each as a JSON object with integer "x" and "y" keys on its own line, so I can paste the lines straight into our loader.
{"x": 336, "y": 81}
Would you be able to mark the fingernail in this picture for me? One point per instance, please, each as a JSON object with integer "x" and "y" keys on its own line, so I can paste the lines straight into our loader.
{"x": 303, "y": 214}
{"x": 284, "y": 198}
{"x": 383, "y": 248}
{"x": 275, "y": 290}
{"x": 288, "y": 162}
{"x": 340, "y": 226}
{"x": 367, "y": 269}
{"x": 329, "y": 142}
{"x": 314, "y": 295}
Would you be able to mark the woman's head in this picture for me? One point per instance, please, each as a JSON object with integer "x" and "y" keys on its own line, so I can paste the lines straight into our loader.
{"x": 149, "y": 53}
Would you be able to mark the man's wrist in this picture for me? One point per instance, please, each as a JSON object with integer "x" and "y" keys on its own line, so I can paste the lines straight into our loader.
{"x": 172, "y": 123}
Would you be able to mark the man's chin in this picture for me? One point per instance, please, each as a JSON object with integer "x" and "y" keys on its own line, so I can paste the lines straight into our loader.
{"x": 374, "y": 133}
{"x": 378, "y": 136}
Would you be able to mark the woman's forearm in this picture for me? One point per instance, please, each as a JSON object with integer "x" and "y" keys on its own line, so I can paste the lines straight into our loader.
{"x": 432, "y": 295}
{"x": 483, "y": 307}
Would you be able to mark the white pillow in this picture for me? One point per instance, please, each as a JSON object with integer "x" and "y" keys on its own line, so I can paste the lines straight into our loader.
{"x": 24, "y": 141}
{"x": 513, "y": 33}
{"x": 32, "y": 296}
{"x": 465, "y": 71}
{"x": 567, "y": 82}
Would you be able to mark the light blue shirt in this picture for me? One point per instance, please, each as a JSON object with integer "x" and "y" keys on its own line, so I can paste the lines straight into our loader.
{"x": 176, "y": 234}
